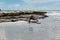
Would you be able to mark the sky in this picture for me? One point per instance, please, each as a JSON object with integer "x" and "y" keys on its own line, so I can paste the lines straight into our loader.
{"x": 30, "y": 4}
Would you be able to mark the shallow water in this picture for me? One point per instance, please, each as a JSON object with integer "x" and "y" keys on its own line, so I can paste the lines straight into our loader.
{"x": 49, "y": 29}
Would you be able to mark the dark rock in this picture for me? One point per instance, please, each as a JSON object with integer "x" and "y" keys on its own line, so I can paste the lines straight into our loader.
{"x": 45, "y": 16}
{"x": 0, "y": 9}
{"x": 14, "y": 20}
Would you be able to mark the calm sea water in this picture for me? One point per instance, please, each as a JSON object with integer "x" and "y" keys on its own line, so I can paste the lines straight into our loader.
{"x": 49, "y": 29}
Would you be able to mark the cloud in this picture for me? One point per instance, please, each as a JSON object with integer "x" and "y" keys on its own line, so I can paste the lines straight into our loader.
{"x": 14, "y": 5}
{"x": 17, "y": 5}
{"x": 38, "y": 1}
{"x": 10, "y": 7}
{"x": 31, "y": 5}
{"x": 57, "y": 4}
{"x": 2, "y": 3}
{"x": 43, "y": 4}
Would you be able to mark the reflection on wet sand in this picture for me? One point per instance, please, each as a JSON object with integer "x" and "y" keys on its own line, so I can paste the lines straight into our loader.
{"x": 21, "y": 30}
{"x": 31, "y": 29}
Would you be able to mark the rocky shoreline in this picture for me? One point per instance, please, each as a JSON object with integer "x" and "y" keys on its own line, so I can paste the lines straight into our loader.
{"x": 17, "y": 16}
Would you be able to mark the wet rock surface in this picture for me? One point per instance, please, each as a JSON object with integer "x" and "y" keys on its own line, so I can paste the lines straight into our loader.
{"x": 20, "y": 17}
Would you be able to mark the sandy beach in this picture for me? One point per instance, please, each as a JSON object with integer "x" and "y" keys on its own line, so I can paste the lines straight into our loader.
{"x": 49, "y": 29}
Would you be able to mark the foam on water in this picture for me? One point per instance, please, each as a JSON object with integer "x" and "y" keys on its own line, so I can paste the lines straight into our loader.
{"x": 53, "y": 13}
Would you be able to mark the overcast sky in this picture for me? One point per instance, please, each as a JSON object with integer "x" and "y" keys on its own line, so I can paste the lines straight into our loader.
{"x": 30, "y": 4}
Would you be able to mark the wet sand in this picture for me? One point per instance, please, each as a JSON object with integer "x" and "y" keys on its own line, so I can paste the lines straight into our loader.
{"x": 49, "y": 29}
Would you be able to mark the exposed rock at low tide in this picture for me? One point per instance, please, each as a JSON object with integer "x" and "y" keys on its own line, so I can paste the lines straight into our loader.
{"x": 21, "y": 15}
